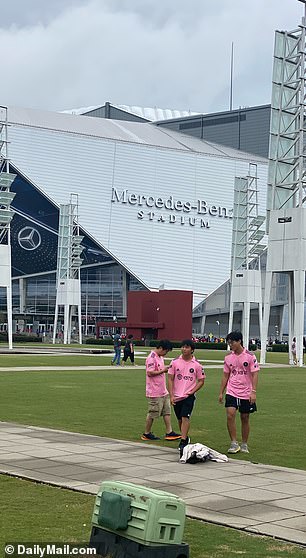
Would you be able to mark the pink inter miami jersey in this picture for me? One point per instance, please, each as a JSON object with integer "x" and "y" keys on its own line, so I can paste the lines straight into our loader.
{"x": 240, "y": 369}
{"x": 186, "y": 373}
{"x": 155, "y": 385}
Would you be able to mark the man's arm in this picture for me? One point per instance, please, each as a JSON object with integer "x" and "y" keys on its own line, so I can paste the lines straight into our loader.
{"x": 200, "y": 383}
{"x": 170, "y": 388}
{"x": 152, "y": 372}
{"x": 254, "y": 386}
{"x": 223, "y": 385}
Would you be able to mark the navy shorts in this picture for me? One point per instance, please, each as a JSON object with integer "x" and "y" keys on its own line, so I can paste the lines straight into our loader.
{"x": 243, "y": 405}
{"x": 184, "y": 407}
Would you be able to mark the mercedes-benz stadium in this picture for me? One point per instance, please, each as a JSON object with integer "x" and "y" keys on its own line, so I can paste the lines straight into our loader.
{"x": 155, "y": 209}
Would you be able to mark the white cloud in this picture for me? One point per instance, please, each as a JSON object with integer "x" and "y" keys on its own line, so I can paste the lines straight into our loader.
{"x": 171, "y": 54}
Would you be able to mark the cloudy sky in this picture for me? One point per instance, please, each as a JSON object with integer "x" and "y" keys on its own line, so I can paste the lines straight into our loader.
{"x": 60, "y": 54}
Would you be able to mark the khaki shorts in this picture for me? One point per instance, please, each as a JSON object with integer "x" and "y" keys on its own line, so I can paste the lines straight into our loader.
{"x": 159, "y": 406}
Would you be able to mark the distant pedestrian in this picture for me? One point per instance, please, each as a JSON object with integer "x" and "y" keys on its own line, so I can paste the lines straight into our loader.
{"x": 240, "y": 377}
{"x": 128, "y": 351}
{"x": 293, "y": 351}
{"x": 185, "y": 376}
{"x": 157, "y": 393}
{"x": 117, "y": 350}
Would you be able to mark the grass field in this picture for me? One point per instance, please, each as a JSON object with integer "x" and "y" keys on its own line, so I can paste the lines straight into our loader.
{"x": 111, "y": 402}
{"x": 38, "y": 513}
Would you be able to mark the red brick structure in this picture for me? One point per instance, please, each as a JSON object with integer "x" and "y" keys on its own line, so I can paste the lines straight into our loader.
{"x": 157, "y": 315}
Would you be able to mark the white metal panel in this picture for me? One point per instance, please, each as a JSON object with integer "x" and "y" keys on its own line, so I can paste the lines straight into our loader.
{"x": 5, "y": 259}
{"x": 174, "y": 254}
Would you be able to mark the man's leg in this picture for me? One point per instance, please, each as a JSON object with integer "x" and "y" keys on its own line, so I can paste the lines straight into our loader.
{"x": 231, "y": 427}
{"x": 231, "y": 423}
{"x": 149, "y": 422}
{"x": 185, "y": 425}
{"x": 245, "y": 427}
{"x": 153, "y": 412}
{"x": 118, "y": 355}
{"x": 167, "y": 421}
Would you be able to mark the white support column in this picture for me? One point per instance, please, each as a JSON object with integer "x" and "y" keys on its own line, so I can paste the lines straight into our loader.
{"x": 291, "y": 306}
{"x": 266, "y": 317}
{"x": 299, "y": 283}
{"x": 70, "y": 310}
{"x": 66, "y": 323}
{"x": 202, "y": 326}
{"x": 55, "y": 324}
{"x": 231, "y": 308}
{"x": 124, "y": 293}
{"x": 6, "y": 215}
{"x": 247, "y": 247}
{"x": 22, "y": 295}
{"x": 246, "y": 323}
{"x": 287, "y": 177}
{"x": 80, "y": 317}
{"x": 68, "y": 268}
{"x": 260, "y": 310}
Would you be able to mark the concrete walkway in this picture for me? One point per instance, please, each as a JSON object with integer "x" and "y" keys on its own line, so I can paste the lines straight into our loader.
{"x": 262, "y": 499}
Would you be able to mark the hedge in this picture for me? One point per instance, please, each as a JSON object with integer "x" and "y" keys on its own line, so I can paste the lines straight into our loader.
{"x": 21, "y": 338}
{"x": 199, "y": 345}
{"x": 94, "y": 341}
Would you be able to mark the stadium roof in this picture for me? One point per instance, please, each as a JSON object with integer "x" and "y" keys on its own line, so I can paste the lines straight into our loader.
{"x": 148, "y": 113}
{"x": 125, "y": 131}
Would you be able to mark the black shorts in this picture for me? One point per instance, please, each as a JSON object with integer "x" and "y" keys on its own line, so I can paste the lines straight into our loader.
{"x": 243, "y": 405}
{"x": 184, "y": 407}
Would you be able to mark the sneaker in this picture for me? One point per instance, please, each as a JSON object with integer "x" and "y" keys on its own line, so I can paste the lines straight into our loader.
{"x": 244, "y": 448}
{"x": 183, "y": 443}
{"x": 234, "y": 448}
{"x": 172, "y": 436}
{"x": 149, "y": 437}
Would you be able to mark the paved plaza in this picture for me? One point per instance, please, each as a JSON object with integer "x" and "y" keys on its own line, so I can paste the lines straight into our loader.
{"x": 262, "y": 499}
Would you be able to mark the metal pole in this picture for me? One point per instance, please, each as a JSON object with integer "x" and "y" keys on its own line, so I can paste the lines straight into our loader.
{"x": 231, "y": 77}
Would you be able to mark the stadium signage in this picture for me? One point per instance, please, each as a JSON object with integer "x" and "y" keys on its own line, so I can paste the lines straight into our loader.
{"x": 173, "y": 210}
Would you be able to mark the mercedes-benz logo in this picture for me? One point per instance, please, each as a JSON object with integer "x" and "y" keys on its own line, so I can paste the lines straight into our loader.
{"x": 29, "y": 238}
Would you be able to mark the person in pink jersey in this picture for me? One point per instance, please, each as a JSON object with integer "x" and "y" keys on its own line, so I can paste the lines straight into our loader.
{"x": 240, "y": 377}
{"x": 157, "y": 393}
{"x": 185, "y": 377}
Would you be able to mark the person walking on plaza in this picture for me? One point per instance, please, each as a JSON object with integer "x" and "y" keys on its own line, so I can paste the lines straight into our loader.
{"x": 185, "y": 377}
{"x": 128, "y": 351}
{"x": 117, "y": 350}
{"x": 157, "y": 393}
{"x": 240, "y": 377}
{"x": 293, "y": 350}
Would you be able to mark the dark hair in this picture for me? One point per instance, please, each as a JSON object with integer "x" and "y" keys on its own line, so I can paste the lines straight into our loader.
{"x": 130, "y": 336}
{"x": 164, "y": 344}
{"x": 234, "y": 336}
{"x": 188, "y": 343}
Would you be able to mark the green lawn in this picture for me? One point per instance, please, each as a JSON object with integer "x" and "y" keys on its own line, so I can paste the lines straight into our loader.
{"x": 111, "y": 402}
{"x": 38, "y": 513}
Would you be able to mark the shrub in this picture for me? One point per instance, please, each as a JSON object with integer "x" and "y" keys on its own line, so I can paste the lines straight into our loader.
{"x": 278, "y": 348}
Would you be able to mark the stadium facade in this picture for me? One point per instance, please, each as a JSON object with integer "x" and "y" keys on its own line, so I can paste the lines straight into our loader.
{"x": 155, "y": 209}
